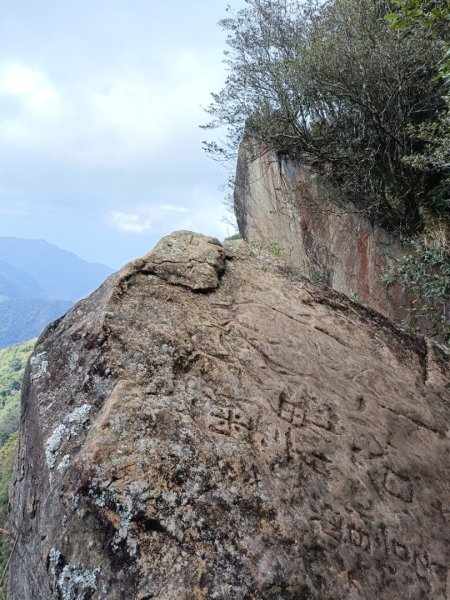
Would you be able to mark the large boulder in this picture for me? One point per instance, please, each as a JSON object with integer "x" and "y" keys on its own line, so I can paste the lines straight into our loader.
{"x": 207, "y": 426}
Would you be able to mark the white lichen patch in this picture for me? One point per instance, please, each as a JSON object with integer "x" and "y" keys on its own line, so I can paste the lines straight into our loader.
{"x": 38, "y": 366}
{"x": 52, "y": 449}
{"x": 132, "y": 546}
{"x": 123, "y": 509}
{"x": 80, "y": 415}
{"x": 63, "y": 464}
{"x": 75, "y": 582}
{"x": 74, "y": 358}
{"x": 69, "y": 428}
{"x": 54, "y": 559}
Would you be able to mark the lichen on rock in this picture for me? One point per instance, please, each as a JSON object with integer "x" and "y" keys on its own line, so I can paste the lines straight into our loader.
{"x": 39, "y": 366}
{"x": 71, "y": 582}
{"x": 217, "y": 427}
{"x": 79, "y": 417}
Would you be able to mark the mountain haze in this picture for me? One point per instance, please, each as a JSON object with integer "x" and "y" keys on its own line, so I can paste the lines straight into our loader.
{"x": 61, "y": 274}
{"x": 24, "y": 318}
{"x": 39, "y": 282}
{"x": 15, "y": 283}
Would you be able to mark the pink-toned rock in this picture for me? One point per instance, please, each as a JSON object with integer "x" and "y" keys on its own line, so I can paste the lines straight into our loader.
{"x": 280, "y": 203}
{"x": 206, "y": 427}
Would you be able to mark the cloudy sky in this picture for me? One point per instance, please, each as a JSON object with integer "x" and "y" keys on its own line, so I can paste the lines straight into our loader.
{"x": 100, "y": 102}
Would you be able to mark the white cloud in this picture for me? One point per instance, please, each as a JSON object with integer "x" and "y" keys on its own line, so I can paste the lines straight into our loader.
{"x": 123, "y": 119}
{"x": 206, "y": 214}
{"x": 30, "y": 86}
{"x": 39, "y": 109}
{"x": 100, "y": 104}
{"x": 173, "y": 208}
{"x": 6, "y": 210}
{"x": 129, "y": 222}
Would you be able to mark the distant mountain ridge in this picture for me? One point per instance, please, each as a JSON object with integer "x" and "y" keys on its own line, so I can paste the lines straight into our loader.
{"x": 15, "y": 283}
{"x": 39, "y": 282}
{"x": 59, "y": 274}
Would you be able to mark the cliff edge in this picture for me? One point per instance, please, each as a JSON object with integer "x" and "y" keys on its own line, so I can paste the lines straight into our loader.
{"x": 207, "y": 426}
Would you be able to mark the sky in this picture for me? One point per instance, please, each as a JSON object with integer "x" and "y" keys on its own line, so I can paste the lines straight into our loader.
{"x": 100, "y": 107}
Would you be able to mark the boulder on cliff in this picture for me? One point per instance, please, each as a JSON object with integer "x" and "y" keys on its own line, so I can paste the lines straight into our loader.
{"x": 207, "y": 426}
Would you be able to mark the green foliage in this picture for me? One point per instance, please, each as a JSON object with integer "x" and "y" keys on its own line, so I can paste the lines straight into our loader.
{"x": 431, "y": 15}
{"x": 424, "y": 272}
{"x": 272, "y": 248}
{"x": 12, "y": 366}
{"x": 334, "y": 84}
{"x": 7, "y": 458}
{"x": 358, "y": 89}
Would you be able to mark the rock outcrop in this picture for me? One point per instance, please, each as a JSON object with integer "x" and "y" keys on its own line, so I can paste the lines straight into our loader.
{"x": 280, "y": 203}
{"x": 207, "y": 426}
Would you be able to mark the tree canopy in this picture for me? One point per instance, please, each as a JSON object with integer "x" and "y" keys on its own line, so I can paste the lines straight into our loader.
{"x": 335, "y": 83}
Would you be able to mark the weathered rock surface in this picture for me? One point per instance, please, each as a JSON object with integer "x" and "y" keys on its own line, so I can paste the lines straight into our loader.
{"x": 205, "y": 426}
{"x": 279, "y": 201}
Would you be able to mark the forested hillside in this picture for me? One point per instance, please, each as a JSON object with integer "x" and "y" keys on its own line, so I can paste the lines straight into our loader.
{"x": 359, "y": 91}
{"x": 22, "y": 318}
{"x": 12, "y": 365}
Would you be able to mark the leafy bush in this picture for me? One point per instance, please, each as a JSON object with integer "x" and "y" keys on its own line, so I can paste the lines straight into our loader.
{"x": 12, "y": 365}
{"x": 358, "y": 89}
{"x": 334, "y": 84}
{"x": 424, "y": 272}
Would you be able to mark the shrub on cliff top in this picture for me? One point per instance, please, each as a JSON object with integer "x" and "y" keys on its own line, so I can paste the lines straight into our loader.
{"x": 334, "y": 83}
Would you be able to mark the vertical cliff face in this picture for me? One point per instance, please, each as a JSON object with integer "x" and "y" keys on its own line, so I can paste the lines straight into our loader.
{"x": 207, "y": 427}
{"x": 279, "y": 203}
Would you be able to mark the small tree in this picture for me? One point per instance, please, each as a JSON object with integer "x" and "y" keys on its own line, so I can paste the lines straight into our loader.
{"x": 335, "y": 84}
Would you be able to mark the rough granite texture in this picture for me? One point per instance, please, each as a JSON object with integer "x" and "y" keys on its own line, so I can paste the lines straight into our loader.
{"x": 279, "y": 201}
{"x": 206, "y": 426}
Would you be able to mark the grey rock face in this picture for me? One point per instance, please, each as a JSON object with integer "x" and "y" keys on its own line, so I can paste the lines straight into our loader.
{"x": 206, "y": 426}
{"x": 188, "y": 260}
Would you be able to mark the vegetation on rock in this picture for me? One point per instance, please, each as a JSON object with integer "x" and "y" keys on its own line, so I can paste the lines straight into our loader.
{"x": 12, "y": 365}
{"x": 425, "y": 270}
{"x": 359, "y": 90}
